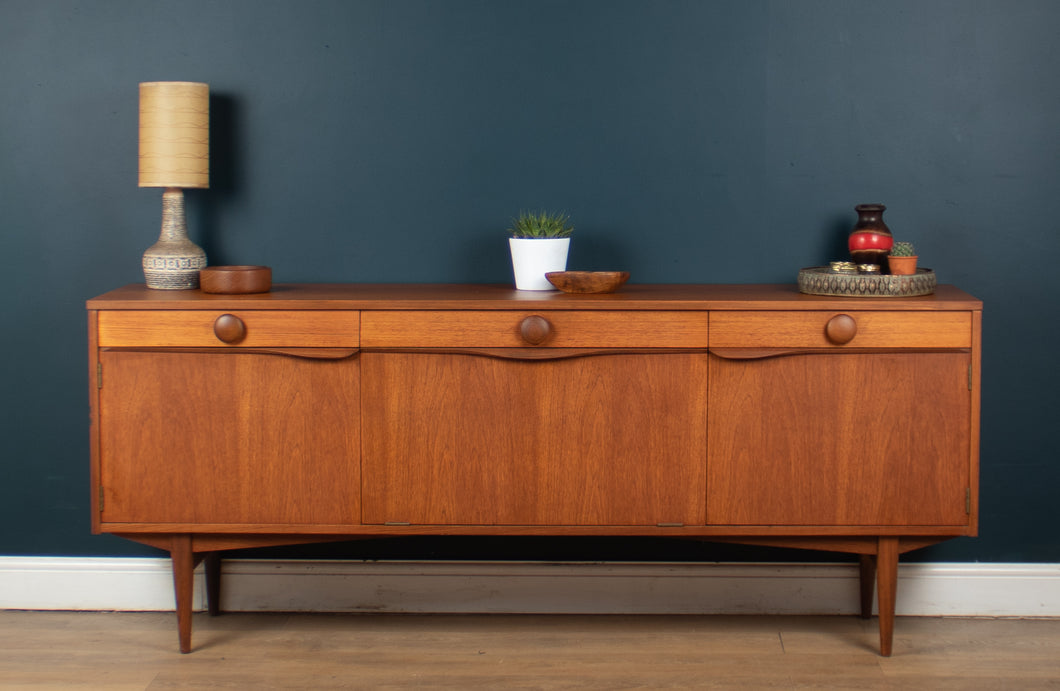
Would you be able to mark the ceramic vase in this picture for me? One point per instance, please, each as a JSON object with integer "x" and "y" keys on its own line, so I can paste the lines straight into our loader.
{"x": 870, "y": 240}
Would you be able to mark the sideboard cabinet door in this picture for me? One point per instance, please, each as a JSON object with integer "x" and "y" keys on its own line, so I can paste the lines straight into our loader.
{"x": 228, "y": 438}
{"x": 616, "y": 439}
{"x": 840, "y": 439}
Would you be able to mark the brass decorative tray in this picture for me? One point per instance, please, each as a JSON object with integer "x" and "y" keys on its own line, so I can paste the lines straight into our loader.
{"x": 821, "y": 280}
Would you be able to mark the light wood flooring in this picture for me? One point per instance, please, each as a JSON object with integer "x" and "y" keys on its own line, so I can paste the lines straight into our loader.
{"x": 65, "y": 650}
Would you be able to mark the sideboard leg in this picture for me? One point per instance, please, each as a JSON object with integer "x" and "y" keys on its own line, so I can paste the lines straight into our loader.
{"x": 886, "y": 590}
{"x": 867, "y": 582}
{"x": 213, "y": 583}
{"x": 183, "y": 586}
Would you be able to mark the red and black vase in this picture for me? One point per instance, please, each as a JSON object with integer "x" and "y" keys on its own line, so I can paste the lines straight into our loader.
{"x": 871, "y": 239}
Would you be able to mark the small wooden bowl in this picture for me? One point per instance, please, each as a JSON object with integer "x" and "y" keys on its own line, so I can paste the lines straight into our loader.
{"x": 235, "y": 280}
{"x": 587, "y": 281}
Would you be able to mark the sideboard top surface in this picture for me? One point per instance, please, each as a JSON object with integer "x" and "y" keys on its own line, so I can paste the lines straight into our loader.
{"x": 427, "y": 296}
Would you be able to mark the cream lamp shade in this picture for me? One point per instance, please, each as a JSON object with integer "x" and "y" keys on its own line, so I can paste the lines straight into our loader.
{"x": 174, "y": 134}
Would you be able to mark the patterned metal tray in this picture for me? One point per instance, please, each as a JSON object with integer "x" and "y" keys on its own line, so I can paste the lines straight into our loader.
{"x": 821, "y": 280}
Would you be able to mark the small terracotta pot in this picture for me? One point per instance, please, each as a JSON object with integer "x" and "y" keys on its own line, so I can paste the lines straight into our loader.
{"x": 901, "y": 266}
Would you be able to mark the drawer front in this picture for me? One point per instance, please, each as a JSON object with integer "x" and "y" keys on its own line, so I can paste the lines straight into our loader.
{"x": 215, "y": 328}
{"x": 832, "y": 329}
{"x": 548, "y": 328}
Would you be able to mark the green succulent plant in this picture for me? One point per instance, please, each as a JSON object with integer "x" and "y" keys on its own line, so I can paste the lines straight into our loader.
{"x": 541, "y": 224}
{"x": 903, "y": 249}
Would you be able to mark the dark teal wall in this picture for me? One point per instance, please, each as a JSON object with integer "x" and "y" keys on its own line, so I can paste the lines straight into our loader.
{"x": 706, "y": 141}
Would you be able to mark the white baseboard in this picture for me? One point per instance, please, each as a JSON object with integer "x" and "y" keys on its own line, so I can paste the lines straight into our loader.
{"x": 137, "y": 584}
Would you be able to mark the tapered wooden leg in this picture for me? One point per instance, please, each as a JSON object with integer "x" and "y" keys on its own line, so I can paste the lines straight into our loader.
{"x": 886, "y": 590}
{"x": 183, "y": 586}
{"x": 213, "y": 583}
{"x": 867, "y": 582}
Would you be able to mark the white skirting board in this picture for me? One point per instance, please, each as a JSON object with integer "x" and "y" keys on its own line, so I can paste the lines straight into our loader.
{"x": 139, "y": 584}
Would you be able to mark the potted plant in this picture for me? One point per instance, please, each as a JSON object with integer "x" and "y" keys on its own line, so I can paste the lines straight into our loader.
{"x": 539, "y": 242}
{"x": 902, "y": 259}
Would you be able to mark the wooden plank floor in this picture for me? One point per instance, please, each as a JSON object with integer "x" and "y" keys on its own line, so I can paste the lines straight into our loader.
{"x": 65, "y": 650}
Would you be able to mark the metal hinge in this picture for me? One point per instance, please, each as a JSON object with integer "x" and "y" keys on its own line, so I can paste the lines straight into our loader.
{"x": 101, "y": 498}
{"x": 968, "y": 500}
{"x": 99, "y": 375}
{"x": 969, "y": 377}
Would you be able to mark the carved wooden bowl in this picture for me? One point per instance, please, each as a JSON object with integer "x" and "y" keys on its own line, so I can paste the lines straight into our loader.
{"x": 587, "y": 281}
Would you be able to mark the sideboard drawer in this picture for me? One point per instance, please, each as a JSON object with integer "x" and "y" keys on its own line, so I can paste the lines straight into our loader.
{"x": 548, "y": 328}
{"x": 847, "y": 329}
{"x": 210, "y": 328}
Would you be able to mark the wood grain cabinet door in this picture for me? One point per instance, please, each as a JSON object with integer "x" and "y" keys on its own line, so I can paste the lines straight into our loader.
{"x": 856, "y": 439}
{"x": 228, "y": 438}
{"x": 463, "y": 439}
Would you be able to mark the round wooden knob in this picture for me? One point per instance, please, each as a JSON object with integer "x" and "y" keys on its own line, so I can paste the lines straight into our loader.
{"x": 535, "y": 330}
{"x": 229, "y": 328}
{"x": 841, "y": 329}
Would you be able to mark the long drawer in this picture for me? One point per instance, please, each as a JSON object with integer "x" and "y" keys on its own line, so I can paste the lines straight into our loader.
{"x": 210, "y": 328}
{"x": 848, "y": 329}
{"x": 548, "y": 328}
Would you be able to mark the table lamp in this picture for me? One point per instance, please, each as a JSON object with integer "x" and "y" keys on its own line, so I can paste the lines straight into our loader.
{"x": 174, "y": 154}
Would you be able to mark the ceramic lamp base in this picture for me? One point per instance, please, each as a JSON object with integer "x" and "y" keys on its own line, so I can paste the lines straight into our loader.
{"x": 174, "y": 262}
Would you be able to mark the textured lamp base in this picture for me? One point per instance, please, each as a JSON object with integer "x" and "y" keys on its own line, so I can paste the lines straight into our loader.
{"x": 173, "y": 263}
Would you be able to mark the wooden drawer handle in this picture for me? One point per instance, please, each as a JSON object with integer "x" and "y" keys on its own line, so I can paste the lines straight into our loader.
{"x": 229, "y": 328}
{"x": 841, "y": 329}
{"x": 535, "y": 330}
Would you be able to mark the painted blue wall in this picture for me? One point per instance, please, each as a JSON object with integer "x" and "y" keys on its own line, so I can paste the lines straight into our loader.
{"x": 371, "y": 140}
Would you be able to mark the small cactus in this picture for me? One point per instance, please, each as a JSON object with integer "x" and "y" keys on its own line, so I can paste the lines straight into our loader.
{"x": 903, "y": 249}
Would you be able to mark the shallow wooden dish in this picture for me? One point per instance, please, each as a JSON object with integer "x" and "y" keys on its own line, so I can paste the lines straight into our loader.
{"x": 587, "y": 281}
{"x": 235, "y": 280}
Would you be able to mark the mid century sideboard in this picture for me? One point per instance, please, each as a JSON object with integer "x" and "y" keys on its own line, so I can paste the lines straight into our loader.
{"x": 743, "y": 413}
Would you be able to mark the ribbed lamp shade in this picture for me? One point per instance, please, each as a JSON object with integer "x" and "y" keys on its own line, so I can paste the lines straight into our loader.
{"x": 174, "y": 134}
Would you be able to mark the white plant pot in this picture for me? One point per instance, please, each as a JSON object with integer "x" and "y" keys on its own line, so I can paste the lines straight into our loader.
{"x": 532, "y": 258}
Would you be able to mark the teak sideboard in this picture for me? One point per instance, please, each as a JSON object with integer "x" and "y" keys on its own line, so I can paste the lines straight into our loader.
{"x": 738, "y": 413}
